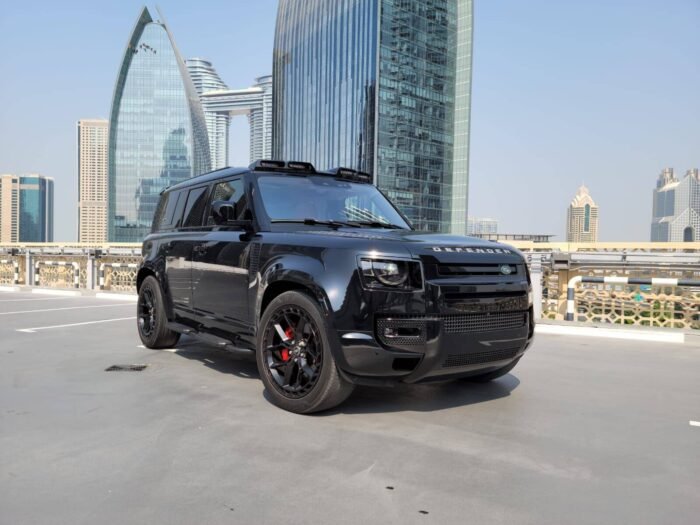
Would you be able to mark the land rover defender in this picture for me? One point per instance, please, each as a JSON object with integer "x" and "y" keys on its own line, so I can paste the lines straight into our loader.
{"x": 326, "y": 282}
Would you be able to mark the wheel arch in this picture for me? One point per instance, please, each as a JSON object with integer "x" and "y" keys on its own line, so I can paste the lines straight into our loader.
{"x": 143, "y": 272}
{"x": 279, "y": 286}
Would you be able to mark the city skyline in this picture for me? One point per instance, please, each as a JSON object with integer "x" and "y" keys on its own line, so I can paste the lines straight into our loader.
{"x": 526, "y": 132}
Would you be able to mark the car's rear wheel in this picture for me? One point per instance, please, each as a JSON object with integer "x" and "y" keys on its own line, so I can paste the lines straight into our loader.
{"x": 294, "y": 357}
{"x": 150, "y": 316}
{"x": 495, "y": 374}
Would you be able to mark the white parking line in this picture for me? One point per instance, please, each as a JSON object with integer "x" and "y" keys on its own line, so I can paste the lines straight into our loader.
{"x": 172, "y": 350}
{"x": 32, "y": 330}
{"x": 66, "y": 308}
{"x": 50, "y": 291}
{"x": 117, "y": 296}
{"x": 694, "y": 423}
{"x": 37, "y": 299}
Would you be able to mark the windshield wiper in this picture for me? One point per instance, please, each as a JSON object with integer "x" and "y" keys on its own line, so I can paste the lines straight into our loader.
{"x": 379, "y": 224}
{"x": 313, "y": 222}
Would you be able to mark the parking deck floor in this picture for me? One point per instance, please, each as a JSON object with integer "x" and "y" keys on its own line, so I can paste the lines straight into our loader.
{"x": 582, "y": 431}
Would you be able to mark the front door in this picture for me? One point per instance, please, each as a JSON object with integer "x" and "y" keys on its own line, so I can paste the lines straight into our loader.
{"x": 220, "y": 265}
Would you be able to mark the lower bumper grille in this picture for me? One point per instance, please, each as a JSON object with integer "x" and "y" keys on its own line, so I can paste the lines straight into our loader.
{"x": 458, "y": 324}
{"x": 475, "y": 358}
{"x": 410, "y": 330}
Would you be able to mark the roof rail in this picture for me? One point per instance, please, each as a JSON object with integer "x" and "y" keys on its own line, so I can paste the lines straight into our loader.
{"x": 350, "y": 174}
{"x": 280, "y": 165}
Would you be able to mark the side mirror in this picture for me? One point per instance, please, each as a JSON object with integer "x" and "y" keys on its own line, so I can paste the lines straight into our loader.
{"x": 223, "y": 211}
{"x": 225, "y": 214}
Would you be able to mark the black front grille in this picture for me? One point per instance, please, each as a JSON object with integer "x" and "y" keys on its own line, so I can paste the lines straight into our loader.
{"x": 477, "y": 358}
{"x": 449, "y": 270}
{"x": 487, "y": 322}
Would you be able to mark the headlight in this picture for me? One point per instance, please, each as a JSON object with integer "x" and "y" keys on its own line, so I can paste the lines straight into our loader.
{"x": 390, "y": 273}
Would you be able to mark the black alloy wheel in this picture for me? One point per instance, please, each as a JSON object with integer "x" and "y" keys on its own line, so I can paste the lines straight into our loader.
{"x": 293, "y": 351}
{"x": 151, "y": 319}
{"x": 147, "y": 312}
{"x": 294, "y": 355}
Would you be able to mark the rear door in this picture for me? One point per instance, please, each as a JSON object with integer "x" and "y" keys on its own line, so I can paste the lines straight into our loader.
{"x": 179, "y": 249}
{"x": 220, "y": 267}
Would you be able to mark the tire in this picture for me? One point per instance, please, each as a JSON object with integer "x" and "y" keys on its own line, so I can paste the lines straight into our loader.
{"x": 294, "y": 358}
{"x": 490, "y": 376}
{"x": 151, "y": 321}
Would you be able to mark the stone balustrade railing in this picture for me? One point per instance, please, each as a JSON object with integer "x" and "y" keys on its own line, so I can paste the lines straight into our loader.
{"x": 114, "y": 267}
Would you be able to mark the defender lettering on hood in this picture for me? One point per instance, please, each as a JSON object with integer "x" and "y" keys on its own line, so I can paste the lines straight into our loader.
{"x": 468, "y": 249}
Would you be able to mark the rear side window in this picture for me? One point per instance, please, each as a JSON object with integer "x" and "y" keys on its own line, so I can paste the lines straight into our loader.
{"x": 194, "y": 209}
{"x": 163, "y": 219}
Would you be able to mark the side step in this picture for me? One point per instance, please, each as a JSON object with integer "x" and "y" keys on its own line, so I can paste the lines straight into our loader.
{"x": 211, "y": 339}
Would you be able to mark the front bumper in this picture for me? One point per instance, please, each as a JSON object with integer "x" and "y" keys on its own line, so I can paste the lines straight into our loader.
{"x": 413, "y": 348}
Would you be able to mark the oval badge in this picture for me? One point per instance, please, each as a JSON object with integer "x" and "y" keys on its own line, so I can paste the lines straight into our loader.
{"x": 506, "y": 269}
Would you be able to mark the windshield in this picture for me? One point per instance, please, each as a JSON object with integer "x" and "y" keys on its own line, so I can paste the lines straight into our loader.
{"x": 324, "y": 198}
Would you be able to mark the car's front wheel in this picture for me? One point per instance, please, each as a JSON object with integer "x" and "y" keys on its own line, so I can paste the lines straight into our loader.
{"x": 294, "y": 357}
{"x": 151, "y": 318}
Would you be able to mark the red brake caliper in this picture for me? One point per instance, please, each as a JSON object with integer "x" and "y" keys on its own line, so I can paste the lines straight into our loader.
{"x": 284, "y": 354}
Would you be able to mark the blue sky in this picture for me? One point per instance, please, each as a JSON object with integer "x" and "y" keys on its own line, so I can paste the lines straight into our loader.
{"x": 605, "y": 92}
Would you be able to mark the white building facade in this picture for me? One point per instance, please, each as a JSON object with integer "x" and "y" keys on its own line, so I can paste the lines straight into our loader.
{"x": 93, "y": 185}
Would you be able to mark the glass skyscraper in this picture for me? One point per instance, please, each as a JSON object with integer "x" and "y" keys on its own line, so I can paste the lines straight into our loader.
{"x": 35, "y": 208}
{"x": 157, "y": 135}
{"x": 26, "y": 208}
{"x": 383, "y": 86}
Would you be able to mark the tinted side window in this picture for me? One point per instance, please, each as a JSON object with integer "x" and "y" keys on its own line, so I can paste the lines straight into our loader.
{"x": 231, "y": 191}
{"x": 160, "y": 212}
{"x": 194, "y": 209}
{"x": 179, "y": 207}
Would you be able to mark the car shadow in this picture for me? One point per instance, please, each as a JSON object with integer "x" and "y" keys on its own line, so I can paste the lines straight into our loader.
{"x": 428, "y": 397}
{"x": 240, "y": 364}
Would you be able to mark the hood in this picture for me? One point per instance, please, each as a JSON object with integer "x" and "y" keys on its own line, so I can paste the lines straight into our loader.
{"x": 437, "y": 246}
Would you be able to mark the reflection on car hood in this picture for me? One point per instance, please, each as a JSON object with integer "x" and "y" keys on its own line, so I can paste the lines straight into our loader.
{"x": 440, "y": 246}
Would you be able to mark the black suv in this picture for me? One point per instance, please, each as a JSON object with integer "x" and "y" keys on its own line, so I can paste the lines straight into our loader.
{"x": 322, "y": 278}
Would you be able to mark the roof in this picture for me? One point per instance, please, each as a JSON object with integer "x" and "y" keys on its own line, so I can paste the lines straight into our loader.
{"x": 208, "y": 177}
{"x": 582, "y": 198}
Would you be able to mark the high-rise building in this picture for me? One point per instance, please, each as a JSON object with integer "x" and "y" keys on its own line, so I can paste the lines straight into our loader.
{"x": 384, "y": 87}
{"x": 582, "y": 218}
{"x": 9, "y": 208}
{"x": 676, "y": 208}
{"x": 92, "y": 180}
{"x": 221, "y": 103}
{"x": 206, "y": 79}
{"x": 481, "y": 226}
{"x": 157, "y": 134}
{"x": 26, "y": 208}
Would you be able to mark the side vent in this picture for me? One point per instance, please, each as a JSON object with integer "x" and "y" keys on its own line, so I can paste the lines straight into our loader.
{"x": 254, "y": 261}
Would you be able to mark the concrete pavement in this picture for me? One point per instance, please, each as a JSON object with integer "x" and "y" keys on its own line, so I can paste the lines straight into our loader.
{"x": 583, "y": 431}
